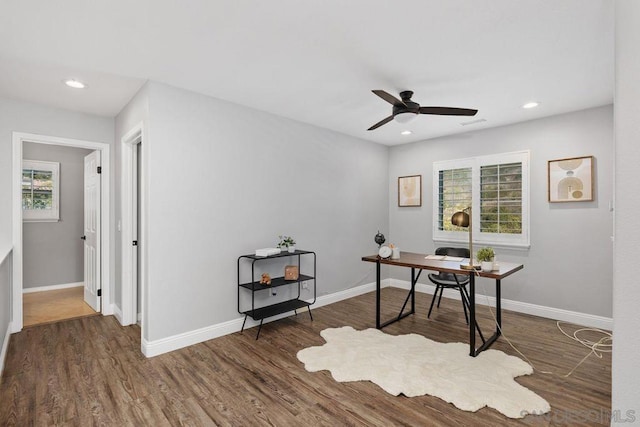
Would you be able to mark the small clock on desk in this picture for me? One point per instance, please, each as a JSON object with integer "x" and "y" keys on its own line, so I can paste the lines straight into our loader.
{"x": 384, "y": 252}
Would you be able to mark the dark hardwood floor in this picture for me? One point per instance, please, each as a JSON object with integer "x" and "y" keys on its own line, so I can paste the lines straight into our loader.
{"x": 90, "y": 371}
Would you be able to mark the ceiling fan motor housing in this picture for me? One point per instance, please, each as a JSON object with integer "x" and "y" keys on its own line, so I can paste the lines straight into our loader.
{"x": 411, "y": 107}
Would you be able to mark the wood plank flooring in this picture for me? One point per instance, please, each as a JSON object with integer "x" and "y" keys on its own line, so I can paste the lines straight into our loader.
{"x": 90, "y": 371}
{"x": 53, "y": 306}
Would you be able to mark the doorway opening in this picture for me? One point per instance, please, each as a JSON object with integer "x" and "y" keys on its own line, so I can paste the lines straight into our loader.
{"x": 97, "y": 213}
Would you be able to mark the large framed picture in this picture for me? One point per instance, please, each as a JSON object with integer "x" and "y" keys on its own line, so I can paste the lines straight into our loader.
{"x": 570, "y": 180}
{"x": 410, "y": 190}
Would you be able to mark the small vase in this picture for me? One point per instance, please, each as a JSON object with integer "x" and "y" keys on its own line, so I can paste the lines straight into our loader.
{"x": 486, "y": 266}
{"x": 291, "y": 249}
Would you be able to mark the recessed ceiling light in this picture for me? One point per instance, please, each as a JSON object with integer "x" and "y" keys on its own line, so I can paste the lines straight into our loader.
{"x": 530, "y": 105}
{"x": 406, "y": 132}
{"x": 76, "y": 84}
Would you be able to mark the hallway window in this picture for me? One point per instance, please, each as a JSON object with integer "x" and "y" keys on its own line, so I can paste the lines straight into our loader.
{"x": 40, "y": 190}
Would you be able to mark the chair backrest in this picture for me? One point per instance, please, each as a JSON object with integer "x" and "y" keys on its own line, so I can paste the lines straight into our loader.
{"x": 463, "y": 252}
{"x": 459, "y": 252}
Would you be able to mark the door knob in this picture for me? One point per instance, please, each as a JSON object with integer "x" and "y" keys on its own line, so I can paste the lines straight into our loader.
{"x": 83, "y": 238}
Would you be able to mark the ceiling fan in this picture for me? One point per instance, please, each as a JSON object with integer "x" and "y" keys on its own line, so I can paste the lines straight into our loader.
{"x": 405, "y": 110}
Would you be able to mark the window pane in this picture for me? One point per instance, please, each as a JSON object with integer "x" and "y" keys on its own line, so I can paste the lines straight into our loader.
{"x": 37, "y": 189}
{"x": 454, "y": 194}
{"x": 501, "y": 198}
{"x": 27, "y": 175}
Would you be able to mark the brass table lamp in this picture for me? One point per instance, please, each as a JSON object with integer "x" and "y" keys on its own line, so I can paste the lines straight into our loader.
{"x": 463, "y": 219}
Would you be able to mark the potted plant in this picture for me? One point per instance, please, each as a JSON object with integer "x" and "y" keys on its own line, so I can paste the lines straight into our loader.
{"x": 486, "y": 256}
{"x": 288, "y": 243}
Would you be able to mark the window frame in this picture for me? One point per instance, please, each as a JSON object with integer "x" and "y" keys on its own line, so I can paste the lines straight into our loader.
{"x": 44, "y": 215}
{"x": 494, "y": 239}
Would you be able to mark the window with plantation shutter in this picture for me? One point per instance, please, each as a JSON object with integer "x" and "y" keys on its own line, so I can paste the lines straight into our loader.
{"x": 40, "y": 190}
{"x": 496, "y": 187}
{"x": 454, "y": 194}
{"x": 501, "y": 198}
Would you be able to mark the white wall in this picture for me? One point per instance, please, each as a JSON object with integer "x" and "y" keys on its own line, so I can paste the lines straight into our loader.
{"x": 569, "y": 264}
{"x": 225, "y": 180}
{"x": 53, "y": 251}
{"x": 626, "y": 290}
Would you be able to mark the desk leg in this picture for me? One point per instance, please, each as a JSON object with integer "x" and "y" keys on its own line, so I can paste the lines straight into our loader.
{"x": 472, "y": 314}
{"x": 378, "y": 295}
{"x": 498, "y": 332}
{"x": 498, "y": 308}
{"x": 413, "y": 289}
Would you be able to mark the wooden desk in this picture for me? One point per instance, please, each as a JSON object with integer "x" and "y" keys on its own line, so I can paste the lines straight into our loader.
{"x": 418, "y": 262}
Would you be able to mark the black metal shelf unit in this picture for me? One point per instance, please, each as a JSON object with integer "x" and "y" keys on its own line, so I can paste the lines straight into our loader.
{"x": 261, "y": 313}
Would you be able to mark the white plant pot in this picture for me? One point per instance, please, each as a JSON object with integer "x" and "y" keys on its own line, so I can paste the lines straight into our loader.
{"x": 291, "y": 249}
{"x": 486, "y": 266}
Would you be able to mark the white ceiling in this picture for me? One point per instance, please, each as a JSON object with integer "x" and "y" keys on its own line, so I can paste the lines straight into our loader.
{"x": 317, "y": 61}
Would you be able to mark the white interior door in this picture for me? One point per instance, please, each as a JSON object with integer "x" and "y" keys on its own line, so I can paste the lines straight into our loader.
{"x": 91, "y": 237}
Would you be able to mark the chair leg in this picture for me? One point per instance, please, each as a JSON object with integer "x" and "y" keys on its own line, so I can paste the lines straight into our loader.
{"x": 465, "y": 303}
{"x": 435, "y": 294}
{"x": 440, "y": 298}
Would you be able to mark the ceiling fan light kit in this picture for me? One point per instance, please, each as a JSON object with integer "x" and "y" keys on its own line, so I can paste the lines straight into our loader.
{"x": 404, "y": 109}
{"x": 405, "y": 117}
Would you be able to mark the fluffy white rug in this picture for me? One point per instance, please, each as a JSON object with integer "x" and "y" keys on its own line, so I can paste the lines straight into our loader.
{"x": 414, "y": 365}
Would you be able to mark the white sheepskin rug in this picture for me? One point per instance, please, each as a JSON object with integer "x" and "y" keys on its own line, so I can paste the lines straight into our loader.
{"x": 414, "y": 365}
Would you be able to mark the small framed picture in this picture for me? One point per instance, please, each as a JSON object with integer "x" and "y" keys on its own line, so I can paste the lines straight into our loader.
{"x": 410, "y": 190}
{"x": 570, "y": 180}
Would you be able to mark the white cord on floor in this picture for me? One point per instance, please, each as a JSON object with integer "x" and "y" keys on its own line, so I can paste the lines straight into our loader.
{"x": 597, "y": 348}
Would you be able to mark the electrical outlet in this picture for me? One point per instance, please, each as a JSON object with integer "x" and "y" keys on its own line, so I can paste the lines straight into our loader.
{"x": 305, "y": 285}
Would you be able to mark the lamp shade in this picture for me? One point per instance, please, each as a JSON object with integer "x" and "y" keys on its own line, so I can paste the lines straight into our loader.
{"x": 461, "y": 219}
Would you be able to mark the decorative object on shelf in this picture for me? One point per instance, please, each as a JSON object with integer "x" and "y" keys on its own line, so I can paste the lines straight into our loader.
{"x": 570, "y": 180}
{"x": 265, "y": 279}
{"x": 291, "y": 272}
{"x": 379, "y": 239}
{"x": 267, "y": 251}
{"x": 384, "y": 252}
{"x": 486, "y": 256}
{"x": 463, "y": 219}
{"x": 410, "y": 190}
{"x": 395, "y": 251}
{"x": 288, "y": 243}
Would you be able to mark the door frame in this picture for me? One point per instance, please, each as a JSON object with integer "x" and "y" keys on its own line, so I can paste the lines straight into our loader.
{"x": 129, "y": 145}
{"x": 105, "y": 232}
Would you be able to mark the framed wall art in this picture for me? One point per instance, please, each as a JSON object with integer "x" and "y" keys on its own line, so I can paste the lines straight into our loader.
{"x": 410, "y": 190}
{"x": 570, "y": 180}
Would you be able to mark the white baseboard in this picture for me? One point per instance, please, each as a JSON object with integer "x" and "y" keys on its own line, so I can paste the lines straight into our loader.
{"x": 175, "y": 342}
{"x": 5, "y": 347}
{"x": 346, "y": 294}
{"x": 52, "y": 287}
{"x": 575, "y": 317}
{"x": 117, "y": 313}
